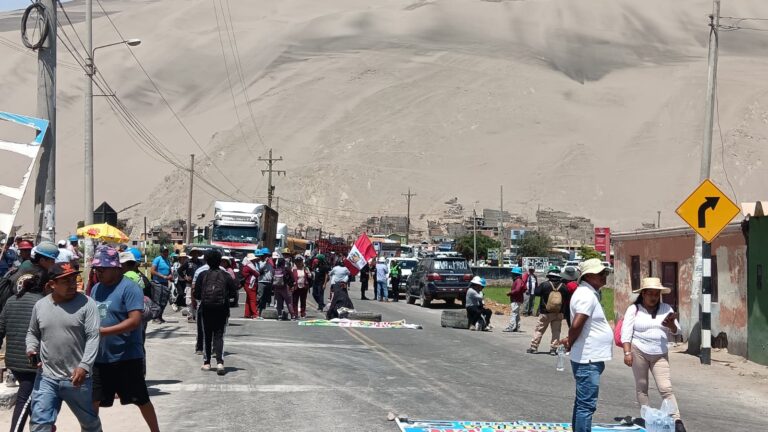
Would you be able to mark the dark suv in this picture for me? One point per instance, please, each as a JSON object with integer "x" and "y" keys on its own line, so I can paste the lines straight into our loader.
{"x": 439, "y": 278}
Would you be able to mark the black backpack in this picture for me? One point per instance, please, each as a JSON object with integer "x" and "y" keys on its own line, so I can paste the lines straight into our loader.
{"x": 214, "y": 288}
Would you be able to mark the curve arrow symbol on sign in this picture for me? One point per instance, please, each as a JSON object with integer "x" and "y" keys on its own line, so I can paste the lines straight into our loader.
{"x": 709, "y": 203}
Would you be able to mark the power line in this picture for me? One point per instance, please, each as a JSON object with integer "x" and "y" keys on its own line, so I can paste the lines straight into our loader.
{"x": 167, "y": 104}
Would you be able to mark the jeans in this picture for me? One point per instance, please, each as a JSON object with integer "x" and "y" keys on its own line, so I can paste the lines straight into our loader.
{"x": 264, "y": 296}
{"x": 381, "y": 290}
{"x": 46, "y": 404}
{"x": 318, "y": 289}
{"x": 21, "y": 411}
{"x": 587, "y": 376}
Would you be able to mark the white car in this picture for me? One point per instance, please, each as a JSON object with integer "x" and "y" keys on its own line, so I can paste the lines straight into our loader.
{"x": 406, "y": 267}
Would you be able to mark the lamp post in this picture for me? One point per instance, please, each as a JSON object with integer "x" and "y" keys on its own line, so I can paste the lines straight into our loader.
{"x": 90, "y": 71}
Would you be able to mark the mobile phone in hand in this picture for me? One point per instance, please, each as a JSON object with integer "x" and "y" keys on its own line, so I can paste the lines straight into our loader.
{"x": 34, "y": 360}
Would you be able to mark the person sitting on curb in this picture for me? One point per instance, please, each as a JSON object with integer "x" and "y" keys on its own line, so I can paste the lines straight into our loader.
{"x": 552, "y": 293}
{"x": 479, "y": 316}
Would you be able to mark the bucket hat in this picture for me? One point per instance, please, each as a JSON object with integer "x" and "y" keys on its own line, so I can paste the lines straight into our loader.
{"x": 569, "y": 273}
{"x": 591, "y": 266}
{"x": 251, "y": 256}
{"x": 652, "y": 283}
{"x": 477, "y": 280}
{"x": 106, "y": 257}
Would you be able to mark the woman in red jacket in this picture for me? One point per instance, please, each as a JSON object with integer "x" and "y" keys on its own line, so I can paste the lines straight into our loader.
{"x": 251, "y": 279}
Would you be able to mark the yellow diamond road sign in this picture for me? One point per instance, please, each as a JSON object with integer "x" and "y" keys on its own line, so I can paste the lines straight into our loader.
{"x": 708, "y": 210}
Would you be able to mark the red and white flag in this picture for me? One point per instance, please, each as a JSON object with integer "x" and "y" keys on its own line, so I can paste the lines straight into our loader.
{"x": 362, "y": 251}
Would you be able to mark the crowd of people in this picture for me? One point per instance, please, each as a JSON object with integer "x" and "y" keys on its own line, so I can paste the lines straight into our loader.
{"x": 85, "y": 346}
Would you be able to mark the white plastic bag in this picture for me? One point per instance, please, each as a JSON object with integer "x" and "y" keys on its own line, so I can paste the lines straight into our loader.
{"x": 659, "y": 420}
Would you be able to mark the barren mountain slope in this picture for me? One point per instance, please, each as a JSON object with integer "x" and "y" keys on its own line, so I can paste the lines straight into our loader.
{"x": 594, "y": 107}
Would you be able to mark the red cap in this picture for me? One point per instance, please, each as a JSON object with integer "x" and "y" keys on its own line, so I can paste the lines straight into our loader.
{"x": 25, "y": 244}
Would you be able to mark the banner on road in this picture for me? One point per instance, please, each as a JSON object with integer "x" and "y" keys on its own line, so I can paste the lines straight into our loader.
{"x": 515, "y": 426}
{"x": 340, "y": 322}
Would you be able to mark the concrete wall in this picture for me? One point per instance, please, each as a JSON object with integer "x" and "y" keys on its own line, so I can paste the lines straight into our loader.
{"x": 729, "y": 314}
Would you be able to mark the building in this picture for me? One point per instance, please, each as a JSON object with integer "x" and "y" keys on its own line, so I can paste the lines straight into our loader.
{"x": 739, "y": 255}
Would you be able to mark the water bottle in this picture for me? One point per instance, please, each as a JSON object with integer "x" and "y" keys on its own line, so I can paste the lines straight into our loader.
{"x": 560, "y": 358}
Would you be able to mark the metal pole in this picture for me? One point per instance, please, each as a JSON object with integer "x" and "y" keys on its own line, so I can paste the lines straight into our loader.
{"x": 45, "y": 186}
{"x": 88, "y": 131}
{"x": 501, "y": 227}
{"x": 474, "y": 233}
{"x": 701, "y": 343}
{"x": 188, "y": 236}
{"x": 658, "y": 220}
{"x": 269, "y": 180}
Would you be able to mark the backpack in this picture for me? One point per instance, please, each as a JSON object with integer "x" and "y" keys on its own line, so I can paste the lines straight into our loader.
{"x": 555, "y": 299}
{"x": 214, "y": 288}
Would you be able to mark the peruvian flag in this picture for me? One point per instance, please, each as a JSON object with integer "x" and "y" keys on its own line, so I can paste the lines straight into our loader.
{"x": 362, "y": 251}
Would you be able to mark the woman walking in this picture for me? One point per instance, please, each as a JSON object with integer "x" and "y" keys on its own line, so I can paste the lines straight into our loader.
{"x": 14, "y": 322}
{"x": 302, "y": 279}
{"x": 648, "y": 323}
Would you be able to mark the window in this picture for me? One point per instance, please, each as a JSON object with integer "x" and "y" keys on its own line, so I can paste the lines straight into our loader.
{"x": 714, "y": 279}
{"x": 454, "y": 264}
{"x": 635, "y": 272}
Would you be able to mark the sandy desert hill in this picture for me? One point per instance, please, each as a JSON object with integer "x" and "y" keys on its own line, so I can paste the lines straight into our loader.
{"x": 595, "y": 107}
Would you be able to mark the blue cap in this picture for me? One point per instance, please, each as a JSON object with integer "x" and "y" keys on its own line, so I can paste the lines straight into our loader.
{"x": 517, "y": 270}
{"x": 136, "y": 253}
{"x": 73, "y": 238}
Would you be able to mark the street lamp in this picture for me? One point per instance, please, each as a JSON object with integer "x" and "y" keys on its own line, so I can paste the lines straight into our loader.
{"x": 90, "y": 71}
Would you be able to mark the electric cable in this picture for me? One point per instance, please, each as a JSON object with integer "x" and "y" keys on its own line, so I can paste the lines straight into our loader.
{"x": 40, "y": 8}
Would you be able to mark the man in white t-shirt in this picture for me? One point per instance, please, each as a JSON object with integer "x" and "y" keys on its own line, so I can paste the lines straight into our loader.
{"x": 590, "y": 341}
{"x": 65, "y": 255}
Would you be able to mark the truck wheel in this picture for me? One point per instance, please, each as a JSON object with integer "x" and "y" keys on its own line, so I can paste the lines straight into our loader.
{"x": 425, "y": 301}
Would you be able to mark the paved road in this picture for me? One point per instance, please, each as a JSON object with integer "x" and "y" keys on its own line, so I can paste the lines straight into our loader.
{"x": 285, "y": 377}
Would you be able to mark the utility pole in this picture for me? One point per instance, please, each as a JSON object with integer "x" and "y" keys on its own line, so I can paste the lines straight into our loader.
{"x": 188, "y": 234}
{"x": 270, "y": 161}
{"x": 45, "y": 186}
{"x": 408, "y": 197}
{"x": 501, "y": 227}
{"x": 702, "y": 253}
{"x": 145, "y": 240}
{"x": 658, "y": 219}
{"x": 277, "y": 204}
{"x": 474, "y": 231}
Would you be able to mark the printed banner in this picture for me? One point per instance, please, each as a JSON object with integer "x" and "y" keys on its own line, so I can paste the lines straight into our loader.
{"x": 340, "y": 322}
{"x": 516, "y": 426}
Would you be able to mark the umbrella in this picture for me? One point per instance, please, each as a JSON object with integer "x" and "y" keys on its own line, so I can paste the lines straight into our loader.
{"x": 104, "y": 232}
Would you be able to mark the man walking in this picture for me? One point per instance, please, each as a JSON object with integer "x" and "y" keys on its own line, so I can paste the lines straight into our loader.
{"x": 382, "y": 274}
{"x": 161, "y": 276}
{"x": 552, "y": 293}
{"x": 266, "y": 275}
{"x": 119, "y": 367}
{"x": 590, "y": 341}
{"x": 63, "y": 338}
{"x": 319, "y": 279}
{"x": 213, "y": 289}
{"x": 530, "y": 282}
{"x": 515, "y": 295}
{"x": 394, "y": 278}
{"x": 365, "y": 275}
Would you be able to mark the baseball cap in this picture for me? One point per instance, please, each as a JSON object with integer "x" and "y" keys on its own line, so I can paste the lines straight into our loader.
{"x": 126, "y": 257}
{"x": 62, "y": 243}
{"x": 61, "y": 270}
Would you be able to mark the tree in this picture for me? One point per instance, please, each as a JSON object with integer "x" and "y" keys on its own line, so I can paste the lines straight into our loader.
{"x": 588, "y": 252}
{"x": 465, "y": 246}
{"x": 535, "y": 244}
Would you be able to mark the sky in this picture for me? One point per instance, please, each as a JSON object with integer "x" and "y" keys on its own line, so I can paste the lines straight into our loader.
{"x": 6, "y": 5}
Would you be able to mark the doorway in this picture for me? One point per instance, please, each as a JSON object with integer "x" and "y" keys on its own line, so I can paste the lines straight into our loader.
{"x": 669, "y": 280}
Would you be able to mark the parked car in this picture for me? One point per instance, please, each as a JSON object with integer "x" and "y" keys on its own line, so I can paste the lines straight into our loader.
{"x": 439, "y": 278}
{"x": 406, "y": 268}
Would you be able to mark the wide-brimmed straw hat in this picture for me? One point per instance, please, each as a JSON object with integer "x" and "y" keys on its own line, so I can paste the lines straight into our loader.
{"x": 652, "y": 283}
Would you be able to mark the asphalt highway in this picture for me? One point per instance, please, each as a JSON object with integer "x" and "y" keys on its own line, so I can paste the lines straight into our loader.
{"x": 281, "y": 376}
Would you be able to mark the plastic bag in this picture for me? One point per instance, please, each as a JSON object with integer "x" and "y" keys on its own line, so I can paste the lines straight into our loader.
{"x": 659, "y": 420}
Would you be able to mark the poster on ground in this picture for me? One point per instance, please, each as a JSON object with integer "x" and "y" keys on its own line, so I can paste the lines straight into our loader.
{"x": 515, "y": 426}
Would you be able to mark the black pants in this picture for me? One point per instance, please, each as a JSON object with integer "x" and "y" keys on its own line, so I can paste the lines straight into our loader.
{"x": 214, "y": 321}
{"x": 318, "y": 289}
{"x": 363, "y": 286}
{"x": 395, "y": 288}
{"x": 23, "y": 403}
{"x": 265, "y": 296}
{"x": 479, "y": 314}
{"x": 199, "y": 325}
{"x": 181, "y": 300}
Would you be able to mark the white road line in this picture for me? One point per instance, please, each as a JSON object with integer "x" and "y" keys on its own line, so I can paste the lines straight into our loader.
{"x": 228, "y": 342}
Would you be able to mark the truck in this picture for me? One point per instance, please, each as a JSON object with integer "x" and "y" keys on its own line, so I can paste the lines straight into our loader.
{"x": 243, "y": 227}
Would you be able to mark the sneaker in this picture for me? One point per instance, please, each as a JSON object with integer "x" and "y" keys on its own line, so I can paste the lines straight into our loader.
{"x": 473, "y": 328}
{"x": 220, "y": 369}
{"x": 553, "y": 351}
{"x": 175, "y": 308}
{"x": 530, "y": 351}
{"x": 261, "y": 318}
{"x": 206, "y": 367}
{"x": 509, "y": 330}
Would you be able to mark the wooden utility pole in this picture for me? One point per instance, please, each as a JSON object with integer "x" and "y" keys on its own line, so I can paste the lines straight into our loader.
{"x": 408, "y": 197}
{"x": 188, "y": 234}
{"x": 45, "y": 186}
{"x": 270, "y": 161}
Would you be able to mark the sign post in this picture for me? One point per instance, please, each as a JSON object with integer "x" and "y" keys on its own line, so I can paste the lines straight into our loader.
{"x": 708, "y": 211}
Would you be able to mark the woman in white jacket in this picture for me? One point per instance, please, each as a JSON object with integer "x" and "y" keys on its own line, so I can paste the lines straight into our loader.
{"x": 648, "y": 324}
